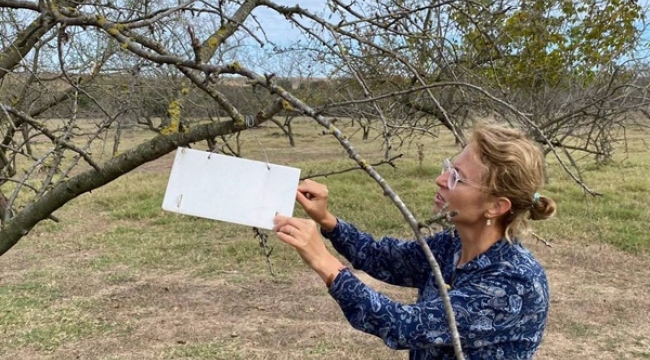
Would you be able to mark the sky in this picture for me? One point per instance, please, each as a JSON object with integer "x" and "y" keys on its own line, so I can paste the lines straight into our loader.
{"x": 277, "y": 28}
{"x": 282, "y": 33}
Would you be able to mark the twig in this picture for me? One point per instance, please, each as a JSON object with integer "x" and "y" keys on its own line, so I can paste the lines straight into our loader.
{"x": 45, "y": 131}
{"x": 541, "y": 239}
{"x": 338, "y": 172}
{"x": 443, "y": 218}
{"x": 264, "y": 244}
{"x": 366, "y": 93}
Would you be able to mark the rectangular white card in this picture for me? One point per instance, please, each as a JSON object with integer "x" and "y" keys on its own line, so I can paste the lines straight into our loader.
{"x": 231, "y": 189}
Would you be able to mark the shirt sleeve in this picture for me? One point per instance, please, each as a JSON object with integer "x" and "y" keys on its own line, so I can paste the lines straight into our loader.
{"x": 390, "y": 260}
{"x": 486, "y": 313}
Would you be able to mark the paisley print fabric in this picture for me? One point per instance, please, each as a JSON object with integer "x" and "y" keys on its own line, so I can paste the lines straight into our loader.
{"x": 500, "y": 299}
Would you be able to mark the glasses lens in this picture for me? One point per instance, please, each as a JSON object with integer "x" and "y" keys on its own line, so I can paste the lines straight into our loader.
{"x": 452, "y": 180}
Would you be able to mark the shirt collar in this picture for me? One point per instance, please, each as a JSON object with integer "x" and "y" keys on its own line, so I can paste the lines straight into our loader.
{"x": 492, "y": 255}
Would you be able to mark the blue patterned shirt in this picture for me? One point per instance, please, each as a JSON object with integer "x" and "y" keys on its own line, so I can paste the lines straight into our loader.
{"x": 500, "y": 298}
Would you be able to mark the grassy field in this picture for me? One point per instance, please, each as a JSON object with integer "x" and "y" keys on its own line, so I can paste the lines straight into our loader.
{"x": 119, "y": 278}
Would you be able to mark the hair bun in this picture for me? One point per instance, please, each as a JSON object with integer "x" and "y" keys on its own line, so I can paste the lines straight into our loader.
{"x": 543, "y": 208}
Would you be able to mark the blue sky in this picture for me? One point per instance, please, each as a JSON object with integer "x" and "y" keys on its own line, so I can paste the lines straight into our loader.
{"x": 282, "y": 33}
{"x": 277, "y": 28}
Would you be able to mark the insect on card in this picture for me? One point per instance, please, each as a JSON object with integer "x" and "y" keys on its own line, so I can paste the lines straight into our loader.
{"x": 231, "y": 189}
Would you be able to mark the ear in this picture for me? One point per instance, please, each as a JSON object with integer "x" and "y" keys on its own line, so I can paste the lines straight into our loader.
{"x": 498, "y": 207}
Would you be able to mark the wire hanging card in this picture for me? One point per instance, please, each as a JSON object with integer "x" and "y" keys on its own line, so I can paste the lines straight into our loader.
{"x": 231, "y": 189}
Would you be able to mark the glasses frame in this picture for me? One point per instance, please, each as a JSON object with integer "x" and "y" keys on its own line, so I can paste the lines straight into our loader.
{"x": 454, "y": 177}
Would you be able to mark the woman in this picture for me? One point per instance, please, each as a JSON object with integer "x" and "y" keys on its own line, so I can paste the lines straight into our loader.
{"x": 497, "y": 289}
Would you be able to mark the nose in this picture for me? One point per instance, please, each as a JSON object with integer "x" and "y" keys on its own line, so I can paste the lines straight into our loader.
{"x": 441, "y": 180}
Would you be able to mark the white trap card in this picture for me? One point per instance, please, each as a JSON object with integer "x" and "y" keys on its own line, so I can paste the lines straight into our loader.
{"x": 231, "y": 189}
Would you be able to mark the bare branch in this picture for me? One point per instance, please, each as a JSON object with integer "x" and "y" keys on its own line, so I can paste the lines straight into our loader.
{"x": 338, "y": 172}
{"x": 541, "y": 239}
{"x": 45, "y": 131}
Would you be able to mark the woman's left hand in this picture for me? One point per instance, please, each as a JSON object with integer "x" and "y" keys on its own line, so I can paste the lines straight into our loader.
{"x": 304, "y": 236}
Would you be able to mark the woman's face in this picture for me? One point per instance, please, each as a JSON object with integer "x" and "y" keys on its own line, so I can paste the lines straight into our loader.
{"x": 467, "y": 197}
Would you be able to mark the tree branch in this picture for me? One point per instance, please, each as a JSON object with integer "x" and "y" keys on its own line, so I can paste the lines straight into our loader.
{"x": 28, "y": 38}
{"x": 338, "y": 172}
{"x": 151, "y": 150}
{"x": 214, "y": 41}
{"x": 45, "y": 131}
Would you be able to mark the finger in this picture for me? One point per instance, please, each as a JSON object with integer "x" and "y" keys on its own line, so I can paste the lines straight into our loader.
{"x": 304, "y": 199}
{"x": 287, "y": 239}
{"x": 311, "y": 187}
{"x": 289, "y": 230}
{"x": 292, "y": 231}
{"x": 279, "y": 221}
{"x": 305, "y": 185}
{"x": 306, "y": 193}
{"x": 279, "y": 217}
{"x": 299, "y": 224}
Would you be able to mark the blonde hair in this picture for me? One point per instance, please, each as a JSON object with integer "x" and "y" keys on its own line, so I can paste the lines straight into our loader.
{"x": 514, "y": 170}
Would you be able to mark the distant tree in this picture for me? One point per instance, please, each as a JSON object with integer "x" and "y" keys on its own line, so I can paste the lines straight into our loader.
{"x": 567, "y": 71}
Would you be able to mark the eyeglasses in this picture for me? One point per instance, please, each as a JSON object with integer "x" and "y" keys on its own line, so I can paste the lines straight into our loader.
{"x": 454, "y": 177}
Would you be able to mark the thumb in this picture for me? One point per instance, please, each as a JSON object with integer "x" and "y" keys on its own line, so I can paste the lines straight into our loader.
{"x": 303, "y": 200}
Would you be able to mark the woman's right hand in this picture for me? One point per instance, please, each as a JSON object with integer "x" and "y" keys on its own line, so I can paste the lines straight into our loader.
{"x": 312, "y": 196}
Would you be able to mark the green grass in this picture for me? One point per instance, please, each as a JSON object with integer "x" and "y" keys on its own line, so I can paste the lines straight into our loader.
{"x": 618, "y": 217}
{"x": 320, "y": 348}
{"x": 37, "y": 314}
{"x": 16, "y": 301}
{"x": 223, "y": 349}
{"x": 579, "y": 330}
{"x": 68, "y": 325}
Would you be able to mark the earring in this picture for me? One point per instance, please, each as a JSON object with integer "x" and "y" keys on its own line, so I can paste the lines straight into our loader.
{"x": 489, "y": 222}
